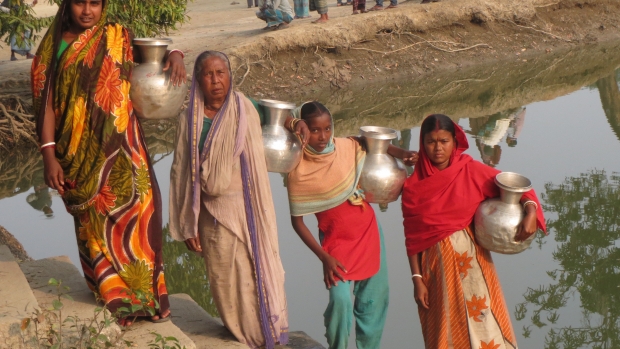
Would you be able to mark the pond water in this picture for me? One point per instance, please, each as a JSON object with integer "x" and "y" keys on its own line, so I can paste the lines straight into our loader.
{"x": 562, "y": 293}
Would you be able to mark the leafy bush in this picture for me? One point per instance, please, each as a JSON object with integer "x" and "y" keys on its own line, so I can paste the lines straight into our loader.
{"x": 146, "y": 18}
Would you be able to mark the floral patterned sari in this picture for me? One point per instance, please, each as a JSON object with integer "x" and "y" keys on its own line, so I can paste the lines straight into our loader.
{"x": 110, "y": 186}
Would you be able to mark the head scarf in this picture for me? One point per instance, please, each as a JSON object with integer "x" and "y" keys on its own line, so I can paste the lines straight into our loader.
{"x": 438, "y": 203}
{"x": 326, "y": 179}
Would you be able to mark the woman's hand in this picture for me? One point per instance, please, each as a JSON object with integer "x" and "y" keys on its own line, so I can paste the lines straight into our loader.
{"x": 193, "y": 244}
{"x": 174, "y": 63}
{"x": 527, "y": 227}
{"x": 53, "y": 173}
{"x": 330, "y": 270}
{"x": 410, "y": 158}
{"x": 302, "y": 131}
{"x": 420, "y": 293}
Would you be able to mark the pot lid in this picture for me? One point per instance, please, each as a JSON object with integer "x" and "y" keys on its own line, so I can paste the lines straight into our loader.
{"x": 513, "y": 182}
{"x": 152, "y": 41}
{"x": 377, "y": 132}
{"x": 271, "y": 103}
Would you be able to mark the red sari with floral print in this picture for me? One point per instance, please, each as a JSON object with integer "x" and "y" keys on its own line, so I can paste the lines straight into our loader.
{"x": 110, "y": 186}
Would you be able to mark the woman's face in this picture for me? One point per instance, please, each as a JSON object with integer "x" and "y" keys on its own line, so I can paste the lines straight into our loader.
{"x": 85, "y": 13}
{"x": 320, "y": 131}
{"x": 439, "y": 145}
{"x": 214, "y": 79}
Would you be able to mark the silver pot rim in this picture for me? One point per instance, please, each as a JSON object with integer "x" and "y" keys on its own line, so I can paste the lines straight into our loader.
{"x": 272, "y": 103}
{"x": 513, "y": 181}
{"x": 152, "y": 41}
{"x": 378, "y": 132}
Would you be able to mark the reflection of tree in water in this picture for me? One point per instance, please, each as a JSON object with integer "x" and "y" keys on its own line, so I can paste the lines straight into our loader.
{"x": 22, "y": 168}
{"x": 19, "y": 171}
{"x": 587, "y": 230}
{"x": 159, "y": 137}
{"x": 186, "y": 273}
{"x": 610, "y": 98}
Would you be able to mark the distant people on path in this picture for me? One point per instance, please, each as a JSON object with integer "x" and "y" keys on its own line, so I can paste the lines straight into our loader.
{"x": 456, "y": 288}
{"x": 19, "y": 46}
{"x": 379, "y": 5}
{"x": 302, "y": 9}
{"x": 94, "y": 153}
{"x": 277, "y": 13}
{"x": 221, "y": 204}
{"x": 320, "y": 6}
{"x": 325, "y": 183}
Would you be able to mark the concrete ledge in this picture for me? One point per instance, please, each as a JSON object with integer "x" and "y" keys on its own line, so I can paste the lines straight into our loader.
{"x": 209, "y": 333}
{"x": 16, "y": 302}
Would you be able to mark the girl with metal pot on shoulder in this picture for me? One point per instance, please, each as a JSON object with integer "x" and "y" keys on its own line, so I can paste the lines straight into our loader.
{"x": 325, "y": 183}
{"x": 460, "y": 301}
{"x": 94, "y": 153}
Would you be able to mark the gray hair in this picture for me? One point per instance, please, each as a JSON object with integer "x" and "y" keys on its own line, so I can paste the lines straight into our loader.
{"x": 206, "y": 55}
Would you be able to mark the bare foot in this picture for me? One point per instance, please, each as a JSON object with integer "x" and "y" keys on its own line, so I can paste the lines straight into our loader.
{"x": 356, "y": 12}
{"x": 320, "y": 20}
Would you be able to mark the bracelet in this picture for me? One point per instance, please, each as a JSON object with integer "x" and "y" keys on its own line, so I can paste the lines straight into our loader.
{"x": 47, "y": 145}
{"x": 293, "y": 123}
{"x": 416, "y": 276}
{"x": 530, "y": 202}
{"x": 179, "y": 51}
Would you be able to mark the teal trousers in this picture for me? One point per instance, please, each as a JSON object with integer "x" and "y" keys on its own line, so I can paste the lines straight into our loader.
{"x": 369, "y": 309}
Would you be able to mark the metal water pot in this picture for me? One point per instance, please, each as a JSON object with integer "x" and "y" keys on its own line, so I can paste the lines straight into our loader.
{"x": 282, "y": 148}
{"x": 496, "y": 220}
{"x": 152, "y": 93}
{"x": 382, "y": 176}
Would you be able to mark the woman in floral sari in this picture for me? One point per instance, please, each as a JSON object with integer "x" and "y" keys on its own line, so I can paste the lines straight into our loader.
{"x": 460, "y": 300}
{"x": 95, "y": 156}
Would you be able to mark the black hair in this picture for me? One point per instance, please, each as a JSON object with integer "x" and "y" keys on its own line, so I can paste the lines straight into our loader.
{"x": 436, "y": 122}
{"x": 66, "y": 14}
{"x": 313, "y": 109}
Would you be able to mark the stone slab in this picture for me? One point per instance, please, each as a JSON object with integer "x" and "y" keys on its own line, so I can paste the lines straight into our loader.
{"x": 38, "y": 274}
{"x": 16, "y": 301}
{"x": 209, "y": 332}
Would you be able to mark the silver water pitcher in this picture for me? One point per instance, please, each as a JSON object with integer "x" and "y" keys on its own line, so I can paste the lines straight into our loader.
{"x": 382, "y": 176}
{"x": 497, "y": 220}
{"x": 152, "y": 93}
{"x": 282, "y": 148}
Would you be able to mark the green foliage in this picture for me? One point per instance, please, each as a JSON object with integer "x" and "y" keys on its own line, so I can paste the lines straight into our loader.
{"x": 53, "y": 331}
{"x": 18, "y": 21}
{"x": 147, "y": 18}
{"x": 186, "y": 273}
{"x": 587, "y": 230}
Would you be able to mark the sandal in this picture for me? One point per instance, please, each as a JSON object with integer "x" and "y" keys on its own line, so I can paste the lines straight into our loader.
{"x": 391, "y": 6}
{"x": 376, "y": 8}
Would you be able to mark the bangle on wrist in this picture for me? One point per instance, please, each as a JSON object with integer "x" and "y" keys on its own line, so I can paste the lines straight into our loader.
{"x": 416, "y": 276}
{"x": 179, "y": 51}
{"x": 47, "y": 145}
{"x": 530, "y": 202}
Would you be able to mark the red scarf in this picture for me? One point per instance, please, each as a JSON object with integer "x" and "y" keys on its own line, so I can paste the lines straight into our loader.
{"x": 438, "y": 203}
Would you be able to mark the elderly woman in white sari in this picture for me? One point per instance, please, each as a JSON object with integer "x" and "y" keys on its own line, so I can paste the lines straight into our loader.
{"x": 221, "y": 204}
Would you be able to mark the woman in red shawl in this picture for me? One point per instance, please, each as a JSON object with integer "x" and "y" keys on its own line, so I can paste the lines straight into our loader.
{"x": 460, "y": 301}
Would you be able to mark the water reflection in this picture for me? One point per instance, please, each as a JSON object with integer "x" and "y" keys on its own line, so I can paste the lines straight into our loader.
{"x": 186, "y": 273}
{"x": 610, "y": 98}
{"x": 490, "y": 131}
{"x": 587, "y": 229}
